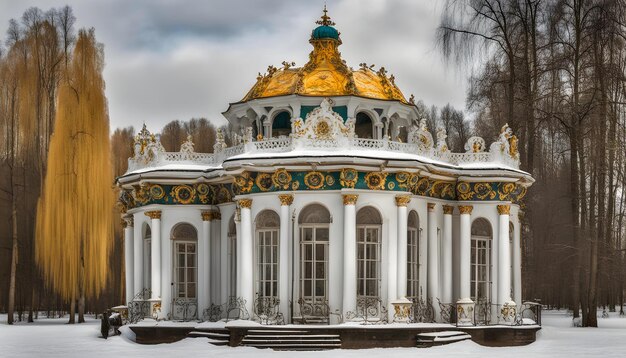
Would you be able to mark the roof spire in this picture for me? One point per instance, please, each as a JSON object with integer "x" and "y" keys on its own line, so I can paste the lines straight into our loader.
{"x": 325, "y": 19}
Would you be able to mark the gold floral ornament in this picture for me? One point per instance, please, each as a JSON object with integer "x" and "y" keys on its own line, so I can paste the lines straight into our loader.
{"x": 156, "y": 191}
{"x": 322, "y": 130}
{"x": 314, "y": 180}
{"x": 244, "y": 183}
{"x": 376, "y": 180}
{"x": 505, "y": 191}
{"x": 348, "y": 178}
{"x": 264, "y": 181}
{"x": 484, "y": 191}
{"x": 223, "y": 195}
{"x": 203, "y": 191}
{"x": 422, "y": 185}
{"x": 281, "y": 179}
{"x": 330, "y": 180}
{"x": 183, "y": 194}
{"x": 463, "y": 188}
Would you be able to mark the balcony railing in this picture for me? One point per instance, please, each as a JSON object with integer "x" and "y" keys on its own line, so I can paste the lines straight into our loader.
{"x": 152, "y": 155}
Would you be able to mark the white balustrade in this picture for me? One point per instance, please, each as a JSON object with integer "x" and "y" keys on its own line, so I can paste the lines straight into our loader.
{"x": 287, "y": 144}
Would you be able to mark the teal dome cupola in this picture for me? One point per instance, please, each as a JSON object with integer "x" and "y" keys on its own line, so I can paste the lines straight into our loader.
{"x": 326, "y": 29}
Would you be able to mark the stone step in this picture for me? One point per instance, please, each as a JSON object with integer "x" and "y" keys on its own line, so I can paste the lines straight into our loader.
{"x": 430, "y": 339}
{"x": 296, "y": 346}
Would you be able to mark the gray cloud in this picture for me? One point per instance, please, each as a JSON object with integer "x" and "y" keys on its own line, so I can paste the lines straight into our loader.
{"x": 170, "y": 60}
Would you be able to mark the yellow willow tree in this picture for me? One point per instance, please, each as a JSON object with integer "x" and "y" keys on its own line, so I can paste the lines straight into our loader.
{"x": 74, "y": 218}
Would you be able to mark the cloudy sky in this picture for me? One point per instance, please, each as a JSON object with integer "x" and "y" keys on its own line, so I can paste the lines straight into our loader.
{"x": 169, "y": 60}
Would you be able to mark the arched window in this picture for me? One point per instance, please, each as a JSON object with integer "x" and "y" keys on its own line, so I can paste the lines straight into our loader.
{"x": 147, "y": 257}
{"x": 232, "y": 257}
{"x": 368, "y": 228}
{"x": 314, "y": 223}
{"x": 267, "y": 228}
{"x": 185, "y": 238}
{"x": 412, "y": 256}
{"x": 364, "y": 127}
{"x": 281, "y": 125}
{"x": 481, "y": 260}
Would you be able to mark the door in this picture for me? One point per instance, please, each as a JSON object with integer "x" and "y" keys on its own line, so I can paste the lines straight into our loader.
{"x": 314, "y": 271}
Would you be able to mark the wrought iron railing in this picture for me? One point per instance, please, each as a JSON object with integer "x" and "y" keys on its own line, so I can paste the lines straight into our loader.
{"x": 422, "y": 311}
{"x": 313, "y": 312}
{"x": 369, "y": 310}
{"x": 139, "y": 307}
{"x": 235, "y": 308}
{"x": 184, "y": 309}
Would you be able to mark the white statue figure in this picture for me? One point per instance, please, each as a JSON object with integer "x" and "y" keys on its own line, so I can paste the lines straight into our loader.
{"x": 475, "y": 145}
{"x": 219, "y": 142}
{"x": 442, "y": 145}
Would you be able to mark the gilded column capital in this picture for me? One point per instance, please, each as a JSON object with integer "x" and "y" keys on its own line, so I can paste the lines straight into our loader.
{"x": 217, "y": 215}
{"x": 403, "y": 200}
{"x": 245, "y": 203}
{"x": 448, "y": 209}
{"x": 350, "y": 199}
{"x": 154, "y": 214}
{"x": 124, "y": 223}
{"x": 465, "y": 209}
{"x": 431, "y": 206}
{"x": 207, "y": 215}
{"x": 285, "y": 199}
{"x": 504, "y": 209}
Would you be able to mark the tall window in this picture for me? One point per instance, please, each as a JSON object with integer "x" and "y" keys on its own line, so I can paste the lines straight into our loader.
{"x": 314, "y": 237}
{"x": 232, "y": 257}
{"x": 368, "y": 226}
{"x": 185, "y": 240}
{"x": 481, "y": 260}
{"x": 267, "y": 227}
{"x": 412, "y": 256}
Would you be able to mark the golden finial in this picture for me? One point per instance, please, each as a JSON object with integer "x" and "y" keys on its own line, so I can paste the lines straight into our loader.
{"x": 325, "y": 21}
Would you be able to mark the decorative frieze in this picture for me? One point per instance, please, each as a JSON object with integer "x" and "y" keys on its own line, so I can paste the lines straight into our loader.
{"x": 465, "y": 209}
{"x": 154, "y": 214}
{"x": 350, "y": 199}
{"x": 504, "y": 209}
{"x": 448, "y": 209}
{"x": 403, "y": 200}
{"x": 285, "y": 199}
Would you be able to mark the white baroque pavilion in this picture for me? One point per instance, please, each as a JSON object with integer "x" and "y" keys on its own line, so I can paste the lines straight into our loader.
{"x": 333, "y": 196}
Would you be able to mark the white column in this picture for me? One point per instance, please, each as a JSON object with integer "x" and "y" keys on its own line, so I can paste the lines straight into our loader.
{"x": 349, "y": 252}
{"x": 216, "y": 257}
{"x": 224, "y": 270}
{"x": 433, "y": 257}
{"x": 446, "y": 275}
{"x": 128, "y": 224}
{"x": 138, "y": 261}
{"x": 283, "y": 257}
{"x": 245, "y": 261}
{"x": 517, "y": 262}
{"x": 401, "y": 257}
{"x": 204, "y": 264}
{"x": 465, "y": 264}
{"x": 155, "y": 253}
{"x": 504, "y": 255}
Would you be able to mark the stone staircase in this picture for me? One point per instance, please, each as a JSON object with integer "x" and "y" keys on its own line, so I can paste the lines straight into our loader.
{"x": 431, "y": 339}
{"x": 291, "y": 339}
{"x": 215, "y": 336}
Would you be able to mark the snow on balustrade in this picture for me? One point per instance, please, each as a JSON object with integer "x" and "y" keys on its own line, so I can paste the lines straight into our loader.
{"x": 323, "y": 131}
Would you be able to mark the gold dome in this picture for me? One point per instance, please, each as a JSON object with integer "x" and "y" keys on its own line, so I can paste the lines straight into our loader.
{"x": 325, "y": 75}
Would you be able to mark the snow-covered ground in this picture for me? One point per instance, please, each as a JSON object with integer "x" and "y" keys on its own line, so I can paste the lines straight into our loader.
{"x": 54, "y": 338}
